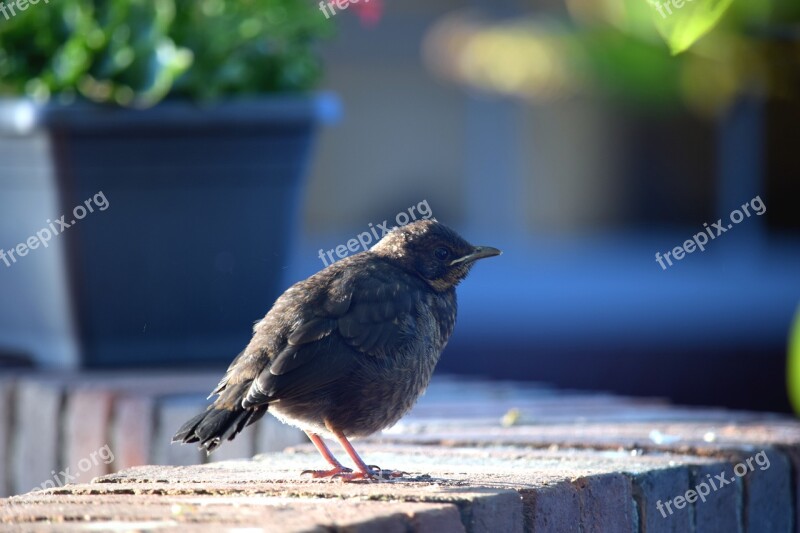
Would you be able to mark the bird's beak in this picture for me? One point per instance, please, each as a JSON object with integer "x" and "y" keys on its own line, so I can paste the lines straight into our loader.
{"x": 479, "y": 252}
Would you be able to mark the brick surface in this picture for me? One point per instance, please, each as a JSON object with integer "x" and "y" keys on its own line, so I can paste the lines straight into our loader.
{"x": 492, "y": 489}
{"x": 36, "y": 441}
{"x": 553, "y": 509}
{"x": 489, "y": 486}
{"x": 722, "y": 509}
{"x": 501, "y": 511}
{"x": 606, "y": 503}
{"x": 793, "y": 454}
{"x": 699, "y": 434}
{"x": 132, "y": 431}
{"x": 271, "y": 513}
{"x": 479, "y": 456}
{"x": 656, "y": 487}
{"x": 87, "y": 451}
{"x": 768, "y": 490}
{"x": 445, "y": 518}
{"x": 6, "y": 429}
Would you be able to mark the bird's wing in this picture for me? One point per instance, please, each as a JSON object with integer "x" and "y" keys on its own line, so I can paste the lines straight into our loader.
{"x": 369, "y": 313}
{"x": 296, "y": 319}
{"x": 381, "y": 316}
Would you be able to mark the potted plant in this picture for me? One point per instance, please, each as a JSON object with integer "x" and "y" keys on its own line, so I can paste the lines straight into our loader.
{"x": 191, "y": 123}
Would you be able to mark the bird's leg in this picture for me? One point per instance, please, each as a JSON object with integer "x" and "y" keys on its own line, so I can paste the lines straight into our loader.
{"x": 326, "y": 453}
{"x": 365, "y": 471}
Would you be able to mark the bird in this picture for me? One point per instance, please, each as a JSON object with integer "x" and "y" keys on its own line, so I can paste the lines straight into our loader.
{"x": 348, "y": 351}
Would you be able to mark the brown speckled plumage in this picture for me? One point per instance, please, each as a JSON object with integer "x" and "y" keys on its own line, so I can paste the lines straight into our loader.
{"x": 348, "y": 351}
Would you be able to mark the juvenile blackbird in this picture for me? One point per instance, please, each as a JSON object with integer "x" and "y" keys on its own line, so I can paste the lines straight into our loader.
{"x": 347, "y": 352}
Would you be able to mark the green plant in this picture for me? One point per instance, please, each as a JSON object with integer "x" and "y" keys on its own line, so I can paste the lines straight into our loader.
{"x": 657, "y": 55}
{"x": 137, "y": 52}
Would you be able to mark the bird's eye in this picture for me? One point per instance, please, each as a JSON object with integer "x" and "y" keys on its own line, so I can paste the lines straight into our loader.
{"x": 441, "y": 253}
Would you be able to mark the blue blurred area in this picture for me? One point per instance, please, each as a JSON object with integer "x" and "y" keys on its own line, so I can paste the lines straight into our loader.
{"x": 599, "y": 313}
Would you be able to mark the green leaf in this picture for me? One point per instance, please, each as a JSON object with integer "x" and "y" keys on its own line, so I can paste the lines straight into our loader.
{"x": 137, "y": 52}
{"x": 793, "y": 365}
{"x": 683, "y": 22}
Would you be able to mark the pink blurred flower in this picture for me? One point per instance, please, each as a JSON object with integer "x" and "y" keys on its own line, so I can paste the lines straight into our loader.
{"x": 369, "y": 11}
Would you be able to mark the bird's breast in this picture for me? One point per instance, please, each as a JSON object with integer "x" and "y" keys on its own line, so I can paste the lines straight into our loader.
{"x": 386, "y": 388}
{"x": 380, "y": 389}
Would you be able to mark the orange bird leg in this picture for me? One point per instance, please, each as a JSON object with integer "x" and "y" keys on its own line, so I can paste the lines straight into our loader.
{"x": 328, "y": 456}
{"x": 364, "y": 471}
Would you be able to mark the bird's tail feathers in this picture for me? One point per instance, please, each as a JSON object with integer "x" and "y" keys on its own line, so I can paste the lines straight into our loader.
{"x": 221, "y": 421}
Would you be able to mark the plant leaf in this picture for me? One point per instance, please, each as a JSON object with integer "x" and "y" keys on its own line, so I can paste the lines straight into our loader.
{"x": 683, "y": 22}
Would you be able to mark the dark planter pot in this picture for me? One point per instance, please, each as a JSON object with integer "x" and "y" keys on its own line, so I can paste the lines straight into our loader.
{"x": 190, "y": 248}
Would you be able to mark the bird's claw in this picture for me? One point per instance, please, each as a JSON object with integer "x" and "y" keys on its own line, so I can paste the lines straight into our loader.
{"x": 386, "y": 474}
{"x": 333, "y": 472}
{"x": 375, "y": 473}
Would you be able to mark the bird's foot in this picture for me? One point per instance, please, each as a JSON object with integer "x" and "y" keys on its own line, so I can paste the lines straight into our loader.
{"x": 374, "y": 473}
{"x": 333, "y": 472}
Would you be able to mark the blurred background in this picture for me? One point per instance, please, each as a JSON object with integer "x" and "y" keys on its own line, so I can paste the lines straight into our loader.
{"x": 568, "y": 135}
{"x": 580, "y": 137}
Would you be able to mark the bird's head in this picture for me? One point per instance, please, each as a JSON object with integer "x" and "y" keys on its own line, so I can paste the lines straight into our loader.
{"x": 433, "y": 251}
